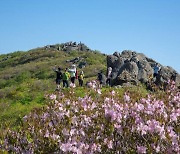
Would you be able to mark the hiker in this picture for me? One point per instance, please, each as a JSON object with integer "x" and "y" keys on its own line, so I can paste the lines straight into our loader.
{"x": 109, "y": 76}
{"x": 58, "y": 77}
{"x": 65, "y": 78}
{"x": 73, "y": 74}
{"x": 81, "y": 78}
{"x": 174, "y": 76}
{"x": 159, "y": 80}
{"x": 156, "y": 70}
{"x": 101, "y": 78}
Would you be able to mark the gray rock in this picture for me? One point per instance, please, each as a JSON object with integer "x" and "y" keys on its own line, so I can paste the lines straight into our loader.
{"x": 75, "y": 60}
{"x": 111, "y": 59}
{"x": 132, "y": 67}
{"x": 82, "y": 64}
{"x": 127, "y": 54}
{"x": 71, "y": 46}
{"x": 142, "y": 76}
{"x": 126, "y": 77}
{"x": 116, "y": 54}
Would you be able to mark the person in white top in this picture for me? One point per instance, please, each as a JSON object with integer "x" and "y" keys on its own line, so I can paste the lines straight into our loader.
{"x": 72, "y": 72}
{"x": 109, "y": 72}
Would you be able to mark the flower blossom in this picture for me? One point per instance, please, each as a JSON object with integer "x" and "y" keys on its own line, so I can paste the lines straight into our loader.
{"x": 53, "y": 97}
{"x": 141, "y": 149}
{"x": 126, "y": 98}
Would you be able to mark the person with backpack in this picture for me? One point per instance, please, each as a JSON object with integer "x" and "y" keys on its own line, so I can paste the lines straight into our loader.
{"x": 156, "y": 70}
{"x": 81, "y": 78}
{"x": 65, "y": 78}
{"x": 58, "y": 77}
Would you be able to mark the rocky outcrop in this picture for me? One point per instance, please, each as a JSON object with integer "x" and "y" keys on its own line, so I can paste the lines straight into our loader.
{"x": 132, "y": 67}
{"x": 68, "y": 46}
{"x": 79, "y": 61}
{"x": 74, "y": 60}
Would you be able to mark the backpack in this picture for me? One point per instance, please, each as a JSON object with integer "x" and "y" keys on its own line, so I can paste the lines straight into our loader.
{"x": 65, "y": 76}
{"x": 81, "y": 77}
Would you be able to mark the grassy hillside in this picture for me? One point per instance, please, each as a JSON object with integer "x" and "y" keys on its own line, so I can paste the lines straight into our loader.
{"x": 26, "y": 77}
{"x": 80, "y": 120}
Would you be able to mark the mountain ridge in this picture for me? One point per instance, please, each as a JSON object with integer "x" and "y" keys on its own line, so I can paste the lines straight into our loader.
{"x": 26, "y": 77}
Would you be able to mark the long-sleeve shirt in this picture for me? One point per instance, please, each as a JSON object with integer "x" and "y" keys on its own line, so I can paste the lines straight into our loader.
{"x": 156, "y": 69}
{"x": 72, "y": 72}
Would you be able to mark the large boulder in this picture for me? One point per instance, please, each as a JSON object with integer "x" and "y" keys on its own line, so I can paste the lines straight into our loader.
{"x": 125, "y": 77}
{"x": 167, "y": 73}
{"x": 133, "y": 67}
{"x": 111, "y": 59}
{"x": 130, "y": 67}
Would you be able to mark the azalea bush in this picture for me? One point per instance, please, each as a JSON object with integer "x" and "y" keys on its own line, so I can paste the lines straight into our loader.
{"x": 100, "y": 122}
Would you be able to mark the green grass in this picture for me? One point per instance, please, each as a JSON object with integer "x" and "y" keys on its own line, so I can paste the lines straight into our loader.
{"x": 13, "y": 114}
{"x": 21, "y": 99}
{"x": 26, "y": 77}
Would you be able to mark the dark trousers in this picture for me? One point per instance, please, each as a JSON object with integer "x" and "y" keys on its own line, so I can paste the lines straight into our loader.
{"x": 73, "y": 79}
{"x": 108, "y": 81}
{"x": 80, "y": 82}
{"x": 65, "y": 83}
{"x": 58, "y": 81}
{"x": 155, "y": 75}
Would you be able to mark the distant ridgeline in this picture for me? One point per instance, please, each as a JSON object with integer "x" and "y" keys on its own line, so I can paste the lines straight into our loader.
{"x": 127, "y": 66}
{"x": 68, "y": 46}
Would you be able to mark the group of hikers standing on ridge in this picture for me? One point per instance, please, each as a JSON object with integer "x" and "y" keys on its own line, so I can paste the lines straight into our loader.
{"x": 68, "y": 74}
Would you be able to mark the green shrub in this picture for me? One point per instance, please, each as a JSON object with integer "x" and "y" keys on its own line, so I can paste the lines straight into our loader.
{"x": 25, "y": 100}
{"x": 2, "y": 83}
{"x": 23, "y": 77}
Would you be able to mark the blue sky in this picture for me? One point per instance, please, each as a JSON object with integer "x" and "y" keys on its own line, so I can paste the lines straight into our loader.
{"x": 148, "y": 26}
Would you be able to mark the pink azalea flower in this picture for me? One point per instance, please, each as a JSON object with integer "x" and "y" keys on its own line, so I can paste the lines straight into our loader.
{"x": 126, "y": 98}
{"x": 66, "y": 147}
{"x": 140, "y": 107}
{"x": 110, "y": 114}
{"x": 141, "y": 149}
{"x": 72, "y": 131}
{"x": 113, "y": 93}
{"x": 174, "y": 117}
{"x": 110, "y": 144}
{"x": 93, "y": 105}
{"x": 47, "y": 134}
{"x": 65, "y": 132}
{"x": 94, "y": 147}
{"x": 99, "y": 91}
{"x": 89, "y": 84}
{"x": 53, "y": 97}
{"x": 118, "y": 127}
